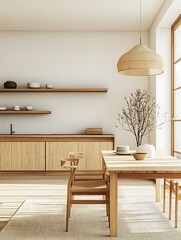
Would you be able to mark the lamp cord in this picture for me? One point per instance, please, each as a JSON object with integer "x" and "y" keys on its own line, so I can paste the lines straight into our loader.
{"x": 140, "y": 22}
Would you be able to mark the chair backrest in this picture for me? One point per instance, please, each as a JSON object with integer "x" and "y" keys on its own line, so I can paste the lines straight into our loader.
{"x": 70, "y": 163}
{"x": 175, "y": 187}
{"x": 76, "y": 154}
{"x": 87, "y": 174}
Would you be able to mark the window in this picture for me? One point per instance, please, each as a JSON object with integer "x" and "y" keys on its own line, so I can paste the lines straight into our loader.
{"x": 176, "y": 88}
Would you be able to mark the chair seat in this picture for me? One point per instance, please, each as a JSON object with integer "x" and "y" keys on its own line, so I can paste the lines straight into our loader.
{"x": 90, "y": 183}
{"x": 89, "y": 187}
{"x": 88, "y": 172}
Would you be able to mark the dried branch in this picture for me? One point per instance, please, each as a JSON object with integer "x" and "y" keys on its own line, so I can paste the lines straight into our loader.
{"x": 139, "y": 114}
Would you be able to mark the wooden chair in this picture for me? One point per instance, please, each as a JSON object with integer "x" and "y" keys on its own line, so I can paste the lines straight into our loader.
{"x": 87, "y": 187}
{"x": 174, "y": 188}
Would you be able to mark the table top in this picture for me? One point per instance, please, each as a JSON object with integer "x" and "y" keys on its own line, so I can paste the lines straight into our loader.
{"x": 127, "y": 163}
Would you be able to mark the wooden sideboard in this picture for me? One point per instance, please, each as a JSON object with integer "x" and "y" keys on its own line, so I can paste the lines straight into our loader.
{"x": 43, "y": 152}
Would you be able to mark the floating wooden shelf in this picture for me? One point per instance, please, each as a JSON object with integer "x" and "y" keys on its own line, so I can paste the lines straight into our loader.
{"x": 91, "y": 90}
{"x": 25, "y": 112}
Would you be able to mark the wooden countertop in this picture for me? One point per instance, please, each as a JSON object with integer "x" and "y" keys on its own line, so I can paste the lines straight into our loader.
{"x": 55, "y": 137}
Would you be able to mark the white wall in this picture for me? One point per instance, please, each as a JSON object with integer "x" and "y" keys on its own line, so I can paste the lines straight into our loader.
{"x": 163, "y": 91}
{"x": 159, "y": 44}
{"x": 160, "y": 41}
{"x": 160, "y": 86}
{"x": 67, "y": 59}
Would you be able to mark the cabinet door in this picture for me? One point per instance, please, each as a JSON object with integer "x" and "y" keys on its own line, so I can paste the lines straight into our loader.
{"x": 92, "y": 154}
{"x": 28, "y": 156}
{"x": 92, "y": 159}
{"x": 55, "y": 151}
{"x": 5, "y": 156}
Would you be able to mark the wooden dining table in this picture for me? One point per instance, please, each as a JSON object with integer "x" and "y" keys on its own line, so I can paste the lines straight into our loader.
{"x": 126, "y": 167}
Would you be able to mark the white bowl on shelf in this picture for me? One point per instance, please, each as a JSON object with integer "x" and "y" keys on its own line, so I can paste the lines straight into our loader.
{"x": 33, "y": 85}
{"x": 2, "y": 108}
{"x": 29, "y": 108}
{"x": 49, "y": 85}
{"x": 16, "y": 108}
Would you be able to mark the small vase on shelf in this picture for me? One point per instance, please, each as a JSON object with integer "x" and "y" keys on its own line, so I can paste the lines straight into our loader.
{"x": 147, "y": 148}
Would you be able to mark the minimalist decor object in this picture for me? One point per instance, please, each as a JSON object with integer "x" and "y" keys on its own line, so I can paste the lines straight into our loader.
{"x": 140, "y": 115}
{"x": 10, "y": 84}
{"x": 93, "y": 131}
{"x": 29, "y": 108}
{"x": 122, "y": 148}
{"x": 147, "y": 148}
{"x": 33, "y": 85}
{"x": 16, "y": 107}
{"x": 140, "y": 156}
{"x": 49, "y": 85}
{"x": 140, "y": 60}
{"x": 2, "y": 108}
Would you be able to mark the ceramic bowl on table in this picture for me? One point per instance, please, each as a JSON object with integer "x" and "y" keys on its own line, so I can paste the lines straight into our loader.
{"x": 140, "y": 156}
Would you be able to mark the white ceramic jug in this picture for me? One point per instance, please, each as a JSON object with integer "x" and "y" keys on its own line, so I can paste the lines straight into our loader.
{"x": 147, "y": 148}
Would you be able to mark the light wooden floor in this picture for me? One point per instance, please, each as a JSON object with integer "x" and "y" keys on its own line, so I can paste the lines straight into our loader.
{"x": 14, "y": 190}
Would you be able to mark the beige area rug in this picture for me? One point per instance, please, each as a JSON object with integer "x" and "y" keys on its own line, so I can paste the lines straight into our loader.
{"x": 45, "y": 220}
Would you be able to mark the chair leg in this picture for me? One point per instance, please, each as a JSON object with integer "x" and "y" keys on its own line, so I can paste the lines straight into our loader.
{"x": 176, "y": 205}
{"x": 109, "y": 209}
{"x": 71, "y": 198}
{"x": 67, "y": 212}
{"x": 164, "y": 195}
{"x": 106, "y": 197}
{"x": 170, "y": 200}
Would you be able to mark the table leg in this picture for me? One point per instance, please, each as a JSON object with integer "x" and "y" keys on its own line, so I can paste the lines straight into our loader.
{"x": 113, "y": 205}
{"x": 157, "y": 192}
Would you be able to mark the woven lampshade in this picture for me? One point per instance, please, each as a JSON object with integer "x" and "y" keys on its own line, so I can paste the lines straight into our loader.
{"x": 140, "y": 61}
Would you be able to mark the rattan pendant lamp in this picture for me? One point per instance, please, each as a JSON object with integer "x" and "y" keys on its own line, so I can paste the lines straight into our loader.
{"x": 140, "y": 60}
